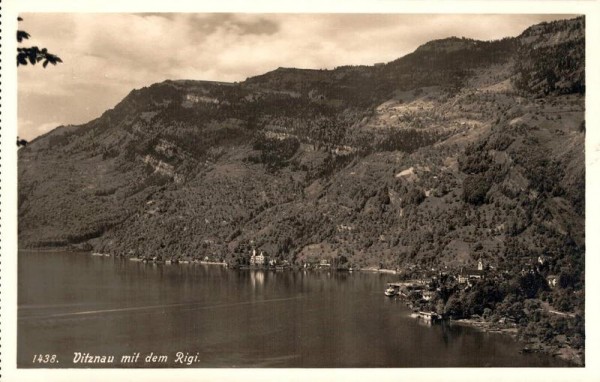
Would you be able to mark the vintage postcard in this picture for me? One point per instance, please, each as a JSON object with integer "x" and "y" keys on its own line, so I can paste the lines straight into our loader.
{"x": 288, "y": 192}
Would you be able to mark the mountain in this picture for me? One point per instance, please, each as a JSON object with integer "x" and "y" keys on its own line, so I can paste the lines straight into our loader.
{"x": 459, "y": 145}
{"x": 461, "y": 151}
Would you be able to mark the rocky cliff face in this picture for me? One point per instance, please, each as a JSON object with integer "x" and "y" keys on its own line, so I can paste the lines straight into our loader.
{"x": 461, "y": 150}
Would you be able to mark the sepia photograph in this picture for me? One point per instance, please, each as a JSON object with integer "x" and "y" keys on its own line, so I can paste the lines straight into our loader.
{"x": 218, "y": 190}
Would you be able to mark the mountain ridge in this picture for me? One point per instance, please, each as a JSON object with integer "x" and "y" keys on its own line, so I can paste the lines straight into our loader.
{"x": 460, "y": 151}
{"x": 338, "y": 110}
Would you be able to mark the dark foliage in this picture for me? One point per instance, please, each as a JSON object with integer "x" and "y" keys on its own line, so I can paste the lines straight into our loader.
{"x": 475, "y": 188}
{"x": 475, "y": 159}
{"x": 274, "y": 153}
{"x": 414, "y": 196}
{"x": 407, "y": 140}
{"x": 553, "y": 68}
{"x": 33, "y": 55}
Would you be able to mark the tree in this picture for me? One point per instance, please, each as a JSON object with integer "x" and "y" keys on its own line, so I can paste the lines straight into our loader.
{"x": 475, "y": 188}
{"x": 33, "y": 55}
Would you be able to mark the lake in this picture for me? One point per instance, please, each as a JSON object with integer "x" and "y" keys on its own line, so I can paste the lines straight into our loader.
{"x": 211, "y": 316}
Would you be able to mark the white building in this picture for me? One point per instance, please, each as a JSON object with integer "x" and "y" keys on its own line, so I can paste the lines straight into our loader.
{"x": 257, "y": 259}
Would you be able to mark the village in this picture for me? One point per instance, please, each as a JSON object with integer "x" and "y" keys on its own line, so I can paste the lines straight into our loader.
{"x": 434, "y": 293}
{"x": 421, "y": 286}
{"x": 425, "y": 282}
{"x": 524, "y": 300}
{"x": 413, "y": 279}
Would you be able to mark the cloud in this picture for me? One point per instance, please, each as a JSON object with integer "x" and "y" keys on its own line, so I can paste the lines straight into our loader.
{"x": 32, "y": 130}
{"x": 107, "y": 55}
{"x": 45, "y": 127}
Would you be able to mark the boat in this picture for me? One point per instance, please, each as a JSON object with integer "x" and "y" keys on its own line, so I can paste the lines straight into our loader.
{"x": 392, "y": 289}
{"x": 429, "y": 316}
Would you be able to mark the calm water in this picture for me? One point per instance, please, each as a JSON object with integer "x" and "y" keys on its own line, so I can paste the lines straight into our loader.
{"x": 80, "y": 303}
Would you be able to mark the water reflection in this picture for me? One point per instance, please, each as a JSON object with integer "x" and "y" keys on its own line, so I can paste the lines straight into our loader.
{"x": 257, "y": 278}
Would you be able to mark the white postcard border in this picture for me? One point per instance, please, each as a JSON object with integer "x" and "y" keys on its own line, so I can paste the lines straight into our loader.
{"x": 8, "y": 192}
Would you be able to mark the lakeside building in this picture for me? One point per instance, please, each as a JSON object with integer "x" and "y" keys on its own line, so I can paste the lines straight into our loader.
{"x": 467, "y": 274}
{"x": 257, "y": 259}
{"x": 428, "y": 295}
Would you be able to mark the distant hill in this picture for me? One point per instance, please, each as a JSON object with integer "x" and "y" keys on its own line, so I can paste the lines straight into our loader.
{"x": 461, "y": 150}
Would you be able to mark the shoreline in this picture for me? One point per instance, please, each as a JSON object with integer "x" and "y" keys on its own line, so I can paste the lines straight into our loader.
{"x": 54, "y": 249}
{"x": 487, "y": 327}
{"x": 224, "y": 264}
{"x": 71, "y": 249}
{"x": 574, "y": 357}
{"x": 377, "y": 270}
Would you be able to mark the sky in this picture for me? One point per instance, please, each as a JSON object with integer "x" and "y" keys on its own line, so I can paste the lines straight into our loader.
{"x": 107, "y": 55}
